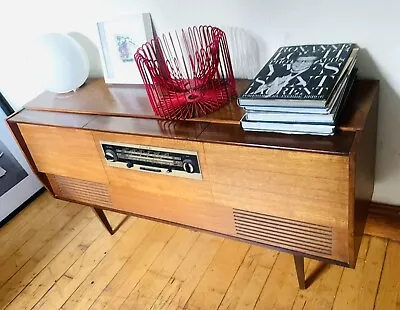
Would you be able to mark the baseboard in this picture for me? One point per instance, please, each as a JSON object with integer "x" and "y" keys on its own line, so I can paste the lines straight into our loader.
{"x": 383, "y": 221}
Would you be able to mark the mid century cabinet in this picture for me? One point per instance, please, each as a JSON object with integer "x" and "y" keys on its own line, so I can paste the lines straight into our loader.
{"x": 305, "y": 195}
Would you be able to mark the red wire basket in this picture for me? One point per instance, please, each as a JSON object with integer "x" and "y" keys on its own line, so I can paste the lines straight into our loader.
{"x": 188, "y": 74}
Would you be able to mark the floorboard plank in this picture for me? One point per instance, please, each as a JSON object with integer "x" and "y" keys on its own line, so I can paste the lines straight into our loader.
{"x": 75, "y": 251}
{"x": 281, "y": 287}
{"x": 101, "y": 276}
{"x": 219, "y": 275}
{"x": 25, "y": 217}
{"x": 75, "y": 277}
{"x": 185, "y": 279}
{"x": 116, "y": 292}
{"x": 42, "y": 258}
{"x": 9, "y": 267}
{"x": 358, "y": 287}
{"x": 26, "y": 232}
{"x": 59, "y": 256}
{"x": 69, "y": 281}
{"x": 320, "y": 294}
{"x": 388, "y": 297}
{"x": 154, "y": 280}
{"x": 250, "y": 279}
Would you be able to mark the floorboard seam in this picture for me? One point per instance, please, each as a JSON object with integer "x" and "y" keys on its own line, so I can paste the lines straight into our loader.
{"x": 262, "y": 289}
{"x": 380, "y": 274}
{"x": 198, "y": 236}
{"x": 205, "y": 271}
{"x": 43, "y": 267}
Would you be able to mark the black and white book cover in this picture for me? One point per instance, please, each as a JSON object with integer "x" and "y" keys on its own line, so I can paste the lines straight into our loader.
{"x": 303, "y": 72}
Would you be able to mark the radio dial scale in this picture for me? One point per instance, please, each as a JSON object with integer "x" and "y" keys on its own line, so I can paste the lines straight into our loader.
{"x": 172, "y": 162}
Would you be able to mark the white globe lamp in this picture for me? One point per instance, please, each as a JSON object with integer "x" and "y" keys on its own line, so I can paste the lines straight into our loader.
{"x": 59, "y": 63}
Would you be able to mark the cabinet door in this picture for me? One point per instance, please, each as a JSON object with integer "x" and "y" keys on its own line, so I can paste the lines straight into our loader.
{"x": 64, "y": 151}
{"x": 293, "y": 200}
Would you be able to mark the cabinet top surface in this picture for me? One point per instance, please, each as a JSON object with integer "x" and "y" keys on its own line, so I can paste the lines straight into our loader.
{"x": 126, "y": 109}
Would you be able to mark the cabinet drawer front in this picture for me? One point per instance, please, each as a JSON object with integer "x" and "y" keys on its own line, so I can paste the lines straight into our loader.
{"x": 64, "y": 151}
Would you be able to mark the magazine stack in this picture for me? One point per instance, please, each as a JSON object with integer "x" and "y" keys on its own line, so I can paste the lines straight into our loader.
{"x": 301, "y": 90}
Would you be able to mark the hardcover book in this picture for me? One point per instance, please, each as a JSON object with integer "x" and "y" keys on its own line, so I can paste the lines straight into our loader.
{"x": 329, "y": 117}
{"x": 315, "y": 124}
{"x": 305, "y": 75}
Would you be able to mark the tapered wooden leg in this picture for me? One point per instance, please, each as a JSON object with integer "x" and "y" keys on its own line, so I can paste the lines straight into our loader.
{"x": 103, "y": 218}
{"x": 299, "y": 263}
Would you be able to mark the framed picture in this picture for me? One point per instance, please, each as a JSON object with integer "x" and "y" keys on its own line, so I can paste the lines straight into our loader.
{"x": 119, "y": 39}
{"x": 17, "y": 181}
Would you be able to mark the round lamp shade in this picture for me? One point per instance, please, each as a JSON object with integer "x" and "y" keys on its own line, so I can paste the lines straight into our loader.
{"x": 59, "y": 63}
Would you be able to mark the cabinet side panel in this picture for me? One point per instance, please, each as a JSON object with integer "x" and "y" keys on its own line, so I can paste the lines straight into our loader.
{"x": 362, "y": 169}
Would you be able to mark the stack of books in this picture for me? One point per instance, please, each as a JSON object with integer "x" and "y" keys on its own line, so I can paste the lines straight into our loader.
{"x": 301, "y": 89}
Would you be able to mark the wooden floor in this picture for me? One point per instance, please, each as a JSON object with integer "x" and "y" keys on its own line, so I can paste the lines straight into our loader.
{"x": 57, "y": 255}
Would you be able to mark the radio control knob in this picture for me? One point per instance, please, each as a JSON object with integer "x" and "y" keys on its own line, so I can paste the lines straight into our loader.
{"x": 188, "y": 166}
{"x": 111, "y": 155}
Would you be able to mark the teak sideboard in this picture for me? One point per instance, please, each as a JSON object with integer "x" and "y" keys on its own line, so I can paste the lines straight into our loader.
{"x": 306, "y": 195}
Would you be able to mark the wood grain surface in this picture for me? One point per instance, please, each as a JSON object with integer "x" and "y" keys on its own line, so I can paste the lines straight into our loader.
{"x": 383, "y": 221}
{"x": 51, "y": 118}
{"x": 69, "y": 261}
{"x": 64, "y": 151}
{"x": 362, "y": 175}
{"x": 148, "y": 127}
{"x": 196, "y": 214}
{"x": 339, "y": 144}
{"x": 98, "y": 98}
{"x": 297, "y": 180}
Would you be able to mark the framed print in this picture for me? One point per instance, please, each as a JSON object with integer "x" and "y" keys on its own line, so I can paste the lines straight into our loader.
{"x": 5, "y": 106}
{"x": 17, "y": 181}
{"x": 118, "y": 41}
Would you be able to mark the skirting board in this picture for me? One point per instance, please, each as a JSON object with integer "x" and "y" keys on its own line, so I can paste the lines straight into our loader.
{"x": 383, "y": 221}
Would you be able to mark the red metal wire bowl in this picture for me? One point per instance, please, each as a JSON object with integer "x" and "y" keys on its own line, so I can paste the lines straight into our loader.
{"x": 188, "y": 74}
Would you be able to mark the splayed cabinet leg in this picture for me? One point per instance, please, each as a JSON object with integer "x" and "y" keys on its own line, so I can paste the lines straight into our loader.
{"x": 299, "y": 263}
{"x": 103, "y": 218}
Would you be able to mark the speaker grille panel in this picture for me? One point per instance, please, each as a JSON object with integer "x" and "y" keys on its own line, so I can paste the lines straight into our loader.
{"x": 81, "y": 191}
{"x": 283, "y": 233}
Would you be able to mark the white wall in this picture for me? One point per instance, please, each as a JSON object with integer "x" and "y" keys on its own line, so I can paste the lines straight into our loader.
{"x": 374, "y": 25}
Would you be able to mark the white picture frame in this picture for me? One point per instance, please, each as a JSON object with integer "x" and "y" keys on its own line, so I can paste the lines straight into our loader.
{"x": 119, "y": 38}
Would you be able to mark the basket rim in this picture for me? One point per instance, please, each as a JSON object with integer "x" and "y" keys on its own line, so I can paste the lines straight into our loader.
{"x": 140, "y": 56}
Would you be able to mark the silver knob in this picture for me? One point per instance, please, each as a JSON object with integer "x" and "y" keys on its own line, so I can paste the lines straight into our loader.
{"x": 188, "y": 166}
{"x": 111, "y": 155}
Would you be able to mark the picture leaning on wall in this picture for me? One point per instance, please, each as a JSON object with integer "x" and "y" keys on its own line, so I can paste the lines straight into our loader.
{"x": 17, "y": 181}
{"x": 11, "y": 171}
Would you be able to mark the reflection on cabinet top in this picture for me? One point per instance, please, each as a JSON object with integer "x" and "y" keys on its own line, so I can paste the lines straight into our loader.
{"x": 126, "y": 109}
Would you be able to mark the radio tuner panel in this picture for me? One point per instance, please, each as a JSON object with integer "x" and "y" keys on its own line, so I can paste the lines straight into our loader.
{"x": 179, "y": 163}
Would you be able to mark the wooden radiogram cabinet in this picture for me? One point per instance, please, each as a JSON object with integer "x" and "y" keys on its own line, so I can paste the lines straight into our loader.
{"x": 306, "y": 195}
